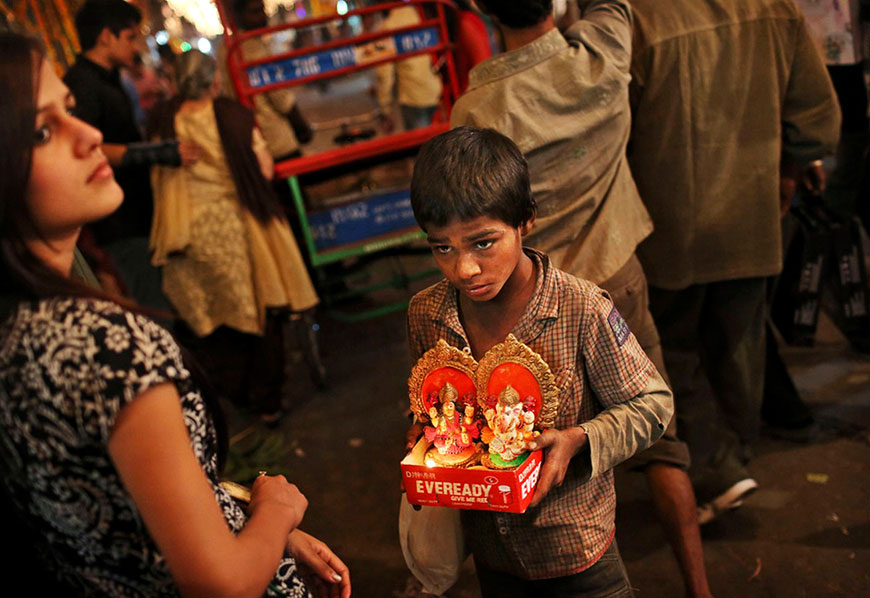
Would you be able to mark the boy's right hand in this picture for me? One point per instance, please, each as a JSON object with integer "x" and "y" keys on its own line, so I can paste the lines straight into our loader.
{"x": 277, "y": 492}
{"x": 559, "y": 448}
{"x": 413, "y": 435}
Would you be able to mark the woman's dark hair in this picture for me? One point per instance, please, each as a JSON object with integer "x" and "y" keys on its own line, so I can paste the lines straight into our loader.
{"x": 96, "y": 15}
{"x": 466, "y": 173}
{"x": 23, "y": 276}
{"x": 518, "y": 14}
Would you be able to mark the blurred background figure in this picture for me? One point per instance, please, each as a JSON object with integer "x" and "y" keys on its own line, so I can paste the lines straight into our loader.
{"x": 283, "y": 126}
{"x": 706, "y": 148}
{"x": 469, "y": 33}
{"x": 836, "y": 28}
{"x": 150, "y": 88}
{"x": 109, "y": 35}
{"x": 412, "y": 82}
{"x": 231, "y": 266}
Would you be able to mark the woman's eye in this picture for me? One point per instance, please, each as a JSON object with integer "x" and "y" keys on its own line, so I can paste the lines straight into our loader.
{"x": 71, "y": 110}
{"x": 441, "y": 249}
{"x": 42, "y": 135}
{"x": 484, "y": 244}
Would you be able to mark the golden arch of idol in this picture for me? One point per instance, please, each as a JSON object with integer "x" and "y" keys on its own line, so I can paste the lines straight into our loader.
{"x": 482, "y": 414}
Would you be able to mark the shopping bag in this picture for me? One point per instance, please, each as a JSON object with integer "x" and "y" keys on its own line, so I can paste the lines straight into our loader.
{"x": 848, "y": 275}
{"x": 432, "y": 544}
{"x": 795, "y": 306}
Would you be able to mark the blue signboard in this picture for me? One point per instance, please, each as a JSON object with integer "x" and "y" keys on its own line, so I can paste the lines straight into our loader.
{"x": 376, "y": 215}
{"x": 317, "y": 63}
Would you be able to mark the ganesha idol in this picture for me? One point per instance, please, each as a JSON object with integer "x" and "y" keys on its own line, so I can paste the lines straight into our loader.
{"x": 518, "y": 396}
{"x": 509, "y": 429}
{"x": 482, "y": 414}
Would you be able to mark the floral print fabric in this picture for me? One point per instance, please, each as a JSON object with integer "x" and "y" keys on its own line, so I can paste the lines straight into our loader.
{"x": 67, "y": 368}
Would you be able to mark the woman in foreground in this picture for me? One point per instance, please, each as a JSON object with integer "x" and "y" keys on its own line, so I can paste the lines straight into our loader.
{"x": 108, "y": 451}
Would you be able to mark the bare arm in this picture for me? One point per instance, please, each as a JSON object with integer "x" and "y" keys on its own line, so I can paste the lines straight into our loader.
{"x": 325, "y": 574}
{"x": 264, "y": 158}
{"x": 151, "y": 450}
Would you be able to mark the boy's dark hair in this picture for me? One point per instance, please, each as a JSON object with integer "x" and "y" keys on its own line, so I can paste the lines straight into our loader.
{"x": 518, "y": 14}
{"x": 96, "y": 15}
{"x": 466, "y": 173}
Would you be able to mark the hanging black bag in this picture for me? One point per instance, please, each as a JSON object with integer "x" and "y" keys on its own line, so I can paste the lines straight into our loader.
{"x": 795, "y": 305}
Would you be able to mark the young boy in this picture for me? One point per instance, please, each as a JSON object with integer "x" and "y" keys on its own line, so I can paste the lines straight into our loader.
{"x": 470, "y": 192}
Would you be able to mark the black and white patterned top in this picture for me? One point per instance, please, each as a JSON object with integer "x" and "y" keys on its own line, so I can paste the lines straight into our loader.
{"x": 67, "y": 368}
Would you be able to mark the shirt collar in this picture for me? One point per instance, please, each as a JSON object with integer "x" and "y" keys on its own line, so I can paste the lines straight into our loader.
{"x": 111, "y": 75}
{"x": 543, "y": 306}
{"x": 520, "y": 59}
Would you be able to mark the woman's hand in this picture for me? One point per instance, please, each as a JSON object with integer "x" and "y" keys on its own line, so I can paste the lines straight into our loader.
{"x": 276, "y": 492}
{"x": 190, "y": 152}
{"x": 325, "y": 575}
{"x": 150, "y": 448}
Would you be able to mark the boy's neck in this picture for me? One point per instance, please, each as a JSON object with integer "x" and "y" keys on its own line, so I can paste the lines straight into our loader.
{"x": 100, "y": 58}
{"x": 487, "y": 323}
{"x": 517, "y": 38}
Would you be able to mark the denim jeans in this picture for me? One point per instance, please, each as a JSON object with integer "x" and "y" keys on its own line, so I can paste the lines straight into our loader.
{"x": 414, "y": 117}
{"x": 607, "y": 578}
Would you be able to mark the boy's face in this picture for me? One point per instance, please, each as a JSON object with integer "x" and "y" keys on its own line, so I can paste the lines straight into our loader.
{"x": 477, "y": 256}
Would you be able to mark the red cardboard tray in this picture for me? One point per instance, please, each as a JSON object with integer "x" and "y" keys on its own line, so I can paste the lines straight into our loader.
{"x": 477, "y": 488}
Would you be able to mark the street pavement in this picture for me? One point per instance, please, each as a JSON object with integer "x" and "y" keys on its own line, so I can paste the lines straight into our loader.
{"x": 803, "y": 533}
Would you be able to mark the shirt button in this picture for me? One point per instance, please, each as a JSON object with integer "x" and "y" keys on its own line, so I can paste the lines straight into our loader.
{"x": 500, "y": 520}
{"x": 503, "y": 530}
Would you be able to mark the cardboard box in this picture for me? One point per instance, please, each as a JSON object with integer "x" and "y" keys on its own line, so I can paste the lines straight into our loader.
{"x": 478, "y": 488}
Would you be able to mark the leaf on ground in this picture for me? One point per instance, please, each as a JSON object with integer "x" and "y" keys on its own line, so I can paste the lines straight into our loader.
{"x": 817, "y": 478}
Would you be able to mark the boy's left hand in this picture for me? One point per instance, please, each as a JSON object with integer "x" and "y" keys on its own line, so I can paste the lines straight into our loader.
{"x": 559, "y": 446}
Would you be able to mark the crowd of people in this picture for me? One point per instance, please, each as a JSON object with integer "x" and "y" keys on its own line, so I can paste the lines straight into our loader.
{"x": 610, "y": 192}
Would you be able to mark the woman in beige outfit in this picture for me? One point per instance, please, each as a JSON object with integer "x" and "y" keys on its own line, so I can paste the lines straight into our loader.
{"x": 231, "y": 266}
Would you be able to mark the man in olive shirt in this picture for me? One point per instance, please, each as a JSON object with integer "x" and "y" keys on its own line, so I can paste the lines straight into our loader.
{"x": 724, "y": 94}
